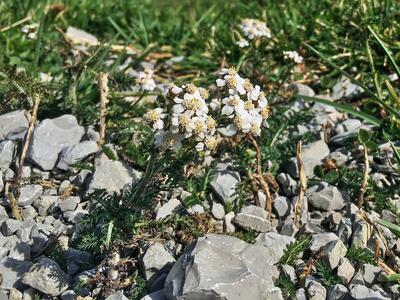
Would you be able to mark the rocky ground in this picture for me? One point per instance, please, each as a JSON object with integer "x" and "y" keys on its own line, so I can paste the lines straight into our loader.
{"x": 40, "y": 261}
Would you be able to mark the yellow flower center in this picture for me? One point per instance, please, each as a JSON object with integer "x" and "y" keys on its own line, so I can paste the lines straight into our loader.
{"x": 239, "y": 122}
{"x": 192, "y": 104}
{"x": 233, "y": 101}
{"x": 232, "y": 71}
{"x": 210, "y": 143}
{"x": 211, "y": 123}
{"x": 198, "y": 127}
{"x": 191, "y": 88}
{"x": 183, "y": 120}
{"x": 248, "y": 105}
{"x": 231, "y": 81}
{"x": 153, "y": 116}
{"x": 265, "y": 112}
{"x": 247, "y": 85}
{"x": 254, "y": 128}
{"x": 204, "y": 93}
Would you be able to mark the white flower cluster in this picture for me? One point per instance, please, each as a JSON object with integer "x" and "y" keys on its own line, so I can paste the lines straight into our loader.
{"x": 254, "y": 29}
{"x": 145, "y": 79}
{"x": 293, "y": 55}
{"x": 186, "y": 116}
{"x": 30, "y": 30}
{"x": 245, "y": 105}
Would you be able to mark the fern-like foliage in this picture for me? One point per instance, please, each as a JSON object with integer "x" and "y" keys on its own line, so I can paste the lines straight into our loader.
{"x": 293, "y": 250}
{"x": 326, "y": 274}
{"x": 361, "y": 256}
{"x": 287, "y": 286}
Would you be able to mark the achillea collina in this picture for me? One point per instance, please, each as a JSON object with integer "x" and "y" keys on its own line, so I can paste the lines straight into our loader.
{"x": 188, "y": 115}
{"x": 254, "y": 29}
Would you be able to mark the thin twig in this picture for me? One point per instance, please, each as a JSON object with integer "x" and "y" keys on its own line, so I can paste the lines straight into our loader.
{"x": 260, "y": 177}
{"x": 298, "y": 208}
{"x": 360, "y": 198}
{"x": 103, "y": 85}
{"x": 13, "y": 197}
{"x": 26, "y": 19}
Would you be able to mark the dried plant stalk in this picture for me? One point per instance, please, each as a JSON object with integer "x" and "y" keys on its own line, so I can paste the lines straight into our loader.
{"x": 104, "y": 90}
{"x": 360, "y": 198}
{"x": 260, "y": 177}
{"x": 13, "y": 197}
{"x": 303, "y": 185}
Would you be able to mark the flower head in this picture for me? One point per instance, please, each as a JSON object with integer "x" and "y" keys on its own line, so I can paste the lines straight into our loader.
{"x": 293, "y": 55}
{"x": 254, "y": 29}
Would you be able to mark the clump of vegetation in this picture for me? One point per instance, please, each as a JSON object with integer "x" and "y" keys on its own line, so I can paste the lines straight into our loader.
{"x": 361, "y": 256}
{"x": 287, "y": 286}
{"x": 294, "y": 249}
{"x": 326, "y": 274}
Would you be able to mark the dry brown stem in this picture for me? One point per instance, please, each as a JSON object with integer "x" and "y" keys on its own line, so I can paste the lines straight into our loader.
{"x": 103, "y": 86}
{"x": 303, "y": 185}
{"x": 360, "y": 198}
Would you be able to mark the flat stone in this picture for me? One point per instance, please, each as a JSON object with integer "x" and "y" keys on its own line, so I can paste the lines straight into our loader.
{"x": 275, "y": 244}
{"x": 12, "y": 271}
{"x": 81, "y": 37}
{"x": 168, "y": 209}
{"x": 155, "y": 261}
{"x": 243, "y": 272}
{"x": 253, "y": 218}
{"x": 83, "y": 260}
{"x": 30, "y": 193}
{"x": 74, "y": 154}
{"x": 362, "y": 232}
{"x": 6, "y": 154}
{"x": 47, "y": 277}
{"x": 10, "y": 226}
{"x": 337, "y": 292}
{"x": 225, "y": 182}
{"x": 44, "y": 203}
{"x": 282, "y": 207}
{"x": 68, "y": 204}
{"x": 320, "y": 240}
{"x": 334, "y": 252}
{"x": 360, "y": 292}
{"x": 20, "y": 251}
{"x": 113, "y": 176}
{"x": 229, "y": 227}
{"x": 288, "y": 184}
{"x": 28, "y": 212}
{"x": 217, "y": 210}
{"x": 13, "y": 123}
{"x": 370, "y": 274}
{"x": 345, "y": 271}
{"x": 327, "y": 197}
{"x": 159, "y": 295}
{"x": 50, "y": 137}
{"x": 15, "y": 294}
{"x": 315, "y": 290}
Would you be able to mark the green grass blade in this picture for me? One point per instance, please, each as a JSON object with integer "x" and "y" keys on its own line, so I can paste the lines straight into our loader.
{"x": 336, "y": 67}
{"x": 392, "y": 277}
{"x": 389, "y": 55}
{"x": 39, "y": 42}
{"x": 393, "y": 227}
{"x": 396, "y": 155}
{"x": 344, "y": 107}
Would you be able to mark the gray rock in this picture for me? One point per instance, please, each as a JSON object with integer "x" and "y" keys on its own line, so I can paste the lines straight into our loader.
{"x": 254, "y": 218}
{"x": 344, "y": 230}
{"x": 73, "y": 154}
{"x": 1, "y": 181}
{"x": 20, "y": 251}
{"x": 47, "y": 277}
{"x": 243, "y": 272}
{"x": 28, "y": 212}
{"x": 320, "y": 240}
{"x": 68, "y": 204}
{"x": 334, "y": 251}
{"x": 112, "y": 176}
{"x": 12, "y": 271}
{"x": 15, "y": 294}
{"x": 24, "y": 233}
{"x": 275, "y": 244}
{"x": 360, "y": 292}
{"x": 327, "y": 197}
{"x": 229, "y": 227}
{"x": 44, "y": 203}
{"x": 217, "y": 210}
{"x": 345, "y": 271}
{"x": 315, "y": 290}
{"x": 39, "y": 240}
{"x": 3, "y": 252}
{"x": 75, "y": 216}
{"x": 337, "y": 292}
{"x": 357, "y": 279}
{"x": 225, "y": 182}
{"x": 117, "y": 296}
{"x": 30, "y": 193}
{"x": 288, "y": 184}
{"x": 195, "y": 209}
{"x": 6, "y": 154}
{"x": 3, "y": 214}
{"x": 82, "y": 260}
{"x": 343, "y": 88}
{"x": 349, "y": 125}
{"x": 282, "y": 207}
{"x": 362, "y": 231}
{"x": 168, "y": 209}
{"x": 301, "y": 294}
{"x": 290, "y": 272}
{"x": 312, "y": 155}
{"x": 10, "y": 226}
{"x": 50, "y": 137}
{"x": 69, "y": 295}
{"x": 159, "y": 295}
{"x": 339, "y": 157}
{"x": 156, "y": 261}
{"x": 13, "y": 123}
{"x": 370, "y": 274}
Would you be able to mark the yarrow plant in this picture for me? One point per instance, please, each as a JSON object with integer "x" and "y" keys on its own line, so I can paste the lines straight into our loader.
{"x": 145, "y": 79}
{"x": 188, "y": 118}
{"x": 293, "y": 55}
{"x": 253, "y": 30}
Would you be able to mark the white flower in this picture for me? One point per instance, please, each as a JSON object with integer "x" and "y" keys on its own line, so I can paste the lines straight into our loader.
{"x": 145, "y": 78}
{"x": 154, "y": 116}
{"x": 242, "y": 43}
{"x": 44, "y": 77}
{"x": 254, "y": 29}
{"x": 30, "y": 30}
{"x": 293, "y": 55}
{"x": 232, "y": 104}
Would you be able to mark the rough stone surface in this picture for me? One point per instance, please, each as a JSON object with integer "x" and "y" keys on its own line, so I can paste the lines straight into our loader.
{"x": 168, "y": 208}
{"x": 73, "y": 154}
{"x": 50, "y": 137}
{"x": 47, "y": 277}
{"x": 345, "y": 271}
{"x": 155, "y": 261}
{"x": 12, "y": 123}
{"x": 327, "y": 197}
{"x": 337, "y": 292}
{"x": 112, "y": 176}
{"x": 254, "y": 218}
{"x": 282, "y": 206}
{"x": 320, "y": 240}
{"x": 12, "y": 271}
{"x": 288, "y": 184}
{"x": 10, "y": 226}
{"x": 68, "y": 204}
{"x": 30, "y": 193}
{"x": 244, "y": 271}
{"x": 218, "y": 210}
{"x": 361, "y": 292}
{"x": 6, "y": 154}
{"x": 44, "y": 203}
{"x": 334, "y": 252}
{"x": 275, "y": 244}
{"x": 229, "y": 227}
{"x": 224, "y": 182}
{"x": 315, "y": 290}
{"x": 159, "y": 295}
